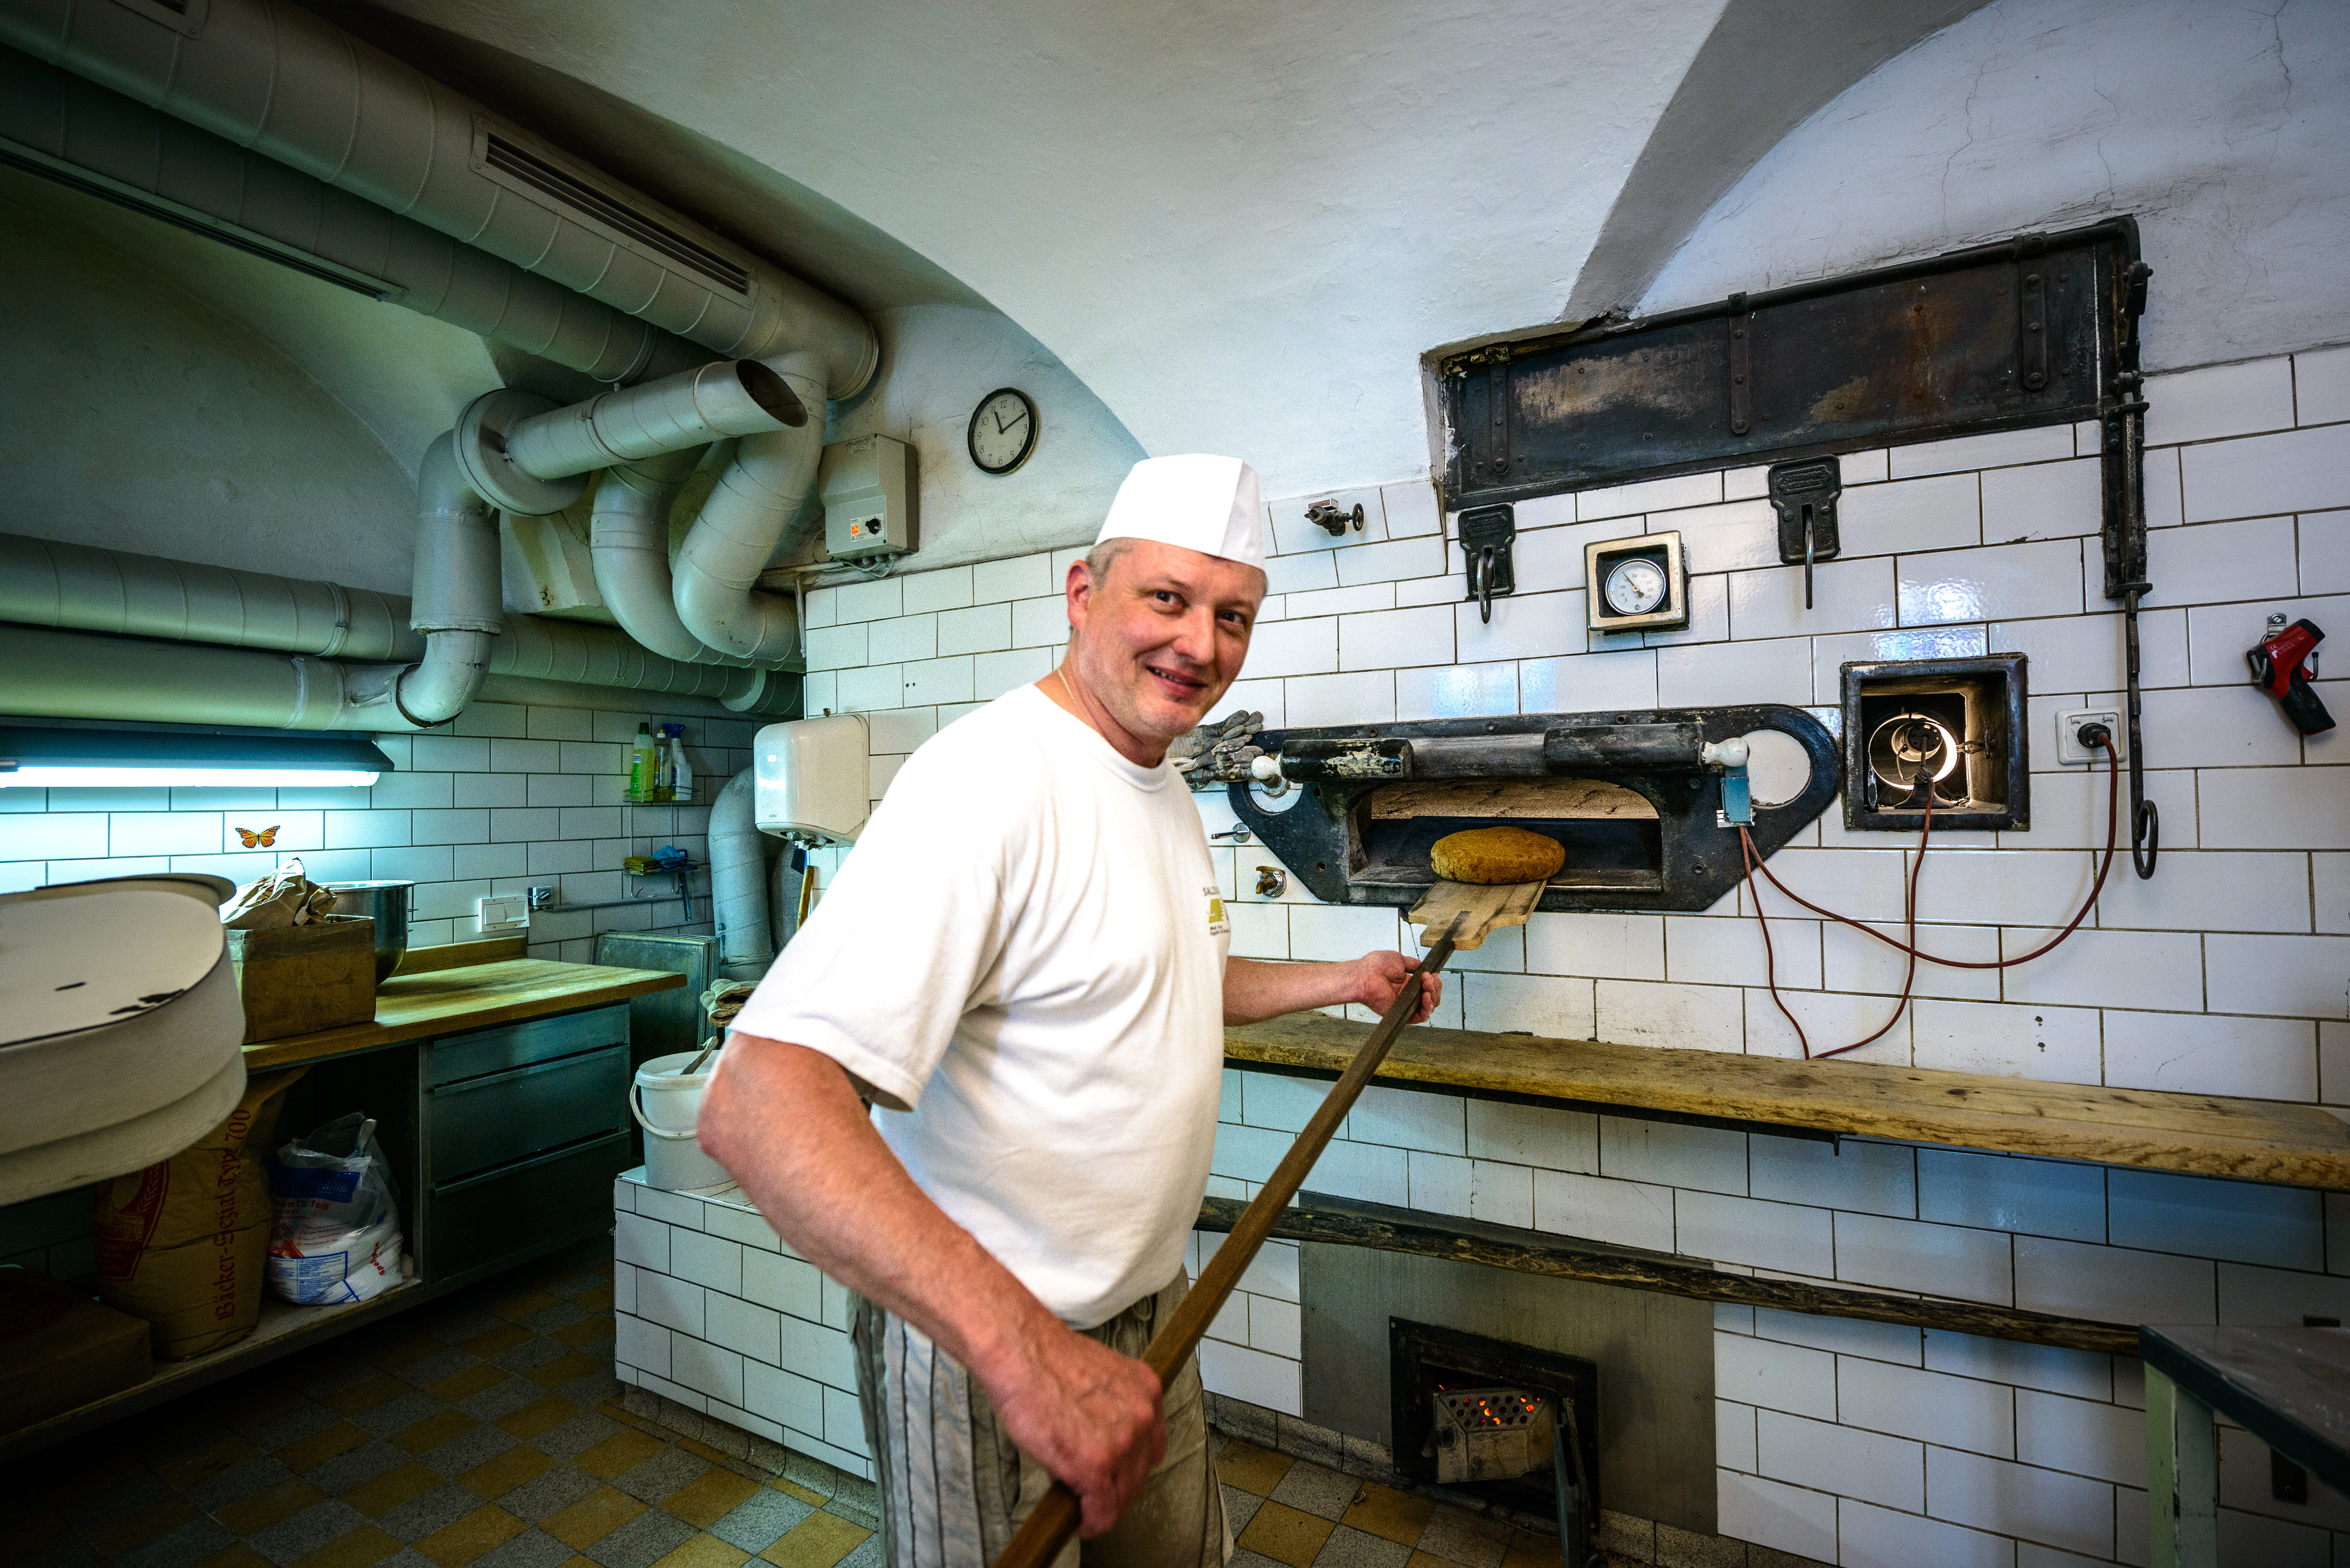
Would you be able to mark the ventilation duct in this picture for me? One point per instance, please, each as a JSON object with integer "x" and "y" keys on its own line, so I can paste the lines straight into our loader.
{"x": 65, "y": 674}
{"x": 738, "y": 878}
{"x": 82, "y": 587}
{"x": 528, "y": 458}
{"x": 275, "y": 79}
{"x": 757, "y": 494}
{"x": 63, "y": 129}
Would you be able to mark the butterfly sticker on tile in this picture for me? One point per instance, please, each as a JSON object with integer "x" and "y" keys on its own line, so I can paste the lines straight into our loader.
{"x": 257, "y": 838}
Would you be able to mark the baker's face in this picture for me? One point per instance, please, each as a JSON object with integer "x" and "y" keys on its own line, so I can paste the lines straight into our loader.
{"x": 1159, "y": 638}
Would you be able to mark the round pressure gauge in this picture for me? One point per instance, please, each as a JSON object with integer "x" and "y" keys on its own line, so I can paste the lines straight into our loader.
{"x": 1634, "y": 586}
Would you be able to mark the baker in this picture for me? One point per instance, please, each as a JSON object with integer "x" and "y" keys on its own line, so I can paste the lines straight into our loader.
{"x": 1022, "y": 967}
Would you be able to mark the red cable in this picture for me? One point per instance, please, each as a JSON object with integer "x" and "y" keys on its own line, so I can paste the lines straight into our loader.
{"x": 1770, "y": 969}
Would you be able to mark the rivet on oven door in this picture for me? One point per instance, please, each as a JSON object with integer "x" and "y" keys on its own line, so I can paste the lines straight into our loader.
{"x": 1272, "y": 881}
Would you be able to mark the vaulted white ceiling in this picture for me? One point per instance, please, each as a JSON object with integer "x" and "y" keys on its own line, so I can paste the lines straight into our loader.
{"x": 1240, "y": 225}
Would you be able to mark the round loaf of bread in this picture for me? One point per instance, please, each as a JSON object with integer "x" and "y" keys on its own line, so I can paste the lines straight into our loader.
{"x": 1497, "y": 854}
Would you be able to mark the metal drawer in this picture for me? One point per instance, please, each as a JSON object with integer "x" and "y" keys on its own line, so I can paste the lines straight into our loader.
{"x": 460, "y": 1056}
{"x": 492, "y": 1120}
{"x": 500, "y": 1215}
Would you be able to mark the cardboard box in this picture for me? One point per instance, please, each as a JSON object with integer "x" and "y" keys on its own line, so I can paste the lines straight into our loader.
{"x": 297, "y": 980}
{"x": 59, "y": 1350}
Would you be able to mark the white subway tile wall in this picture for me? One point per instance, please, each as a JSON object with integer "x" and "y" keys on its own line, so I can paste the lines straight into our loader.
{"x": 716, "y": 1311}
{"x": 510, "y": 798}
{"x": 1852, "y": 1442}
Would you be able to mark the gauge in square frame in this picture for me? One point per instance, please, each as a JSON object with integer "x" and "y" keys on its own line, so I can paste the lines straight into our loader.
{"x": 1003, "y": 430}
{"x": 1640, "y": 583}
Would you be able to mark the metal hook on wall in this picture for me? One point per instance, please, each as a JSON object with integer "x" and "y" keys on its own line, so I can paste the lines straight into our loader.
{"x": 1486, "y": 535}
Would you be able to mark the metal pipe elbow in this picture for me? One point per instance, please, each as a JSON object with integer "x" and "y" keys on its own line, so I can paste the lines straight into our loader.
{"x": 629, "y": 540}
{"x": 740, "y": 526}
{"x": 738, "y": 896}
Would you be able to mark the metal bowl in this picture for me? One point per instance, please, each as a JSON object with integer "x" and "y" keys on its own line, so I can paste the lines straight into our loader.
{"x": 387, "y": 904}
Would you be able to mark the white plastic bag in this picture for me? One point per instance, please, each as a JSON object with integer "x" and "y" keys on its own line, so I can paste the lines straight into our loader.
{"x": 335, "y": 1231}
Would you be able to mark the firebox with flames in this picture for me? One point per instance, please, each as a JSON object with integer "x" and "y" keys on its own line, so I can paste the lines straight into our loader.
{"x": 1488, "y": 1434}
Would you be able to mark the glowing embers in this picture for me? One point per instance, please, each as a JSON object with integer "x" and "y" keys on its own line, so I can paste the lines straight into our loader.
{"x": 1488, "y": 1434}
{"x": 1502, "y": 1422}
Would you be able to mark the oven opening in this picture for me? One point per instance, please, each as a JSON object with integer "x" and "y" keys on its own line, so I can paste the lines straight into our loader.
{"x": 1611, "y": 833}
{"x": 1499, "y": 1423}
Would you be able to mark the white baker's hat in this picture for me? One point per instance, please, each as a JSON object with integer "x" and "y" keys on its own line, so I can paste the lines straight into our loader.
{"x": 1200, "y": 503}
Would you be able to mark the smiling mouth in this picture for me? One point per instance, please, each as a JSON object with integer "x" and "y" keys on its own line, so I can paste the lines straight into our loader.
{"x": 1175, "y": 678}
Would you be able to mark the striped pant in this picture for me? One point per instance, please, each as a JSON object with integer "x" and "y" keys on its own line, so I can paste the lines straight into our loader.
{"x": 954, "y": 1487}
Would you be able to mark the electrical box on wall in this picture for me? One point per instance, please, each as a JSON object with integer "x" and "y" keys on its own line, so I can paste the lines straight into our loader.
{"x": 1948, "y": 731}
{"x": 869, "y": 499}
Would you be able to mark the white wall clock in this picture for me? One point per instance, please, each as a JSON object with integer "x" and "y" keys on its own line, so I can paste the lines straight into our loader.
{"x": 1003, "y": 430}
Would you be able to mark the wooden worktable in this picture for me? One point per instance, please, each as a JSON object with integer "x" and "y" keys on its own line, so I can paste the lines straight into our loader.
{"x": 415, "y": 1006}
{"x": 2252, "y": 1140}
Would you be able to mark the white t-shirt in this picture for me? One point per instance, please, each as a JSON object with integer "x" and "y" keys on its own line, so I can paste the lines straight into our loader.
{"x": 1023, "y": 958}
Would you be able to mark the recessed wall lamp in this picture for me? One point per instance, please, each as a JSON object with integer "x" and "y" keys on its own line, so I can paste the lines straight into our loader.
{"x": 33, "y": 758}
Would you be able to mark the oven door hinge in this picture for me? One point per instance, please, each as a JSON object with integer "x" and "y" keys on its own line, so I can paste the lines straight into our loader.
{"x": 1742, "y": 361}
{"x": 2032, "y": 312}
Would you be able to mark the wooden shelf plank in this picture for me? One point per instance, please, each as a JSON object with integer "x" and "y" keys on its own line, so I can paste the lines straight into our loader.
{"x": 2251, "y": 1140}
{"x": 413, "y": 1006}
{"x": 1339, "y": 1223}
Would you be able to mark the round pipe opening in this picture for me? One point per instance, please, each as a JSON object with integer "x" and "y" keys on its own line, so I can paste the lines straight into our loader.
{"x": 771, "y": 392}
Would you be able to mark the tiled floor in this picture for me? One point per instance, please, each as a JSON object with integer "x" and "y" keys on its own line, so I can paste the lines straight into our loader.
{"x": 1293, "y": 1512}
{"x": 482, "y": 1430}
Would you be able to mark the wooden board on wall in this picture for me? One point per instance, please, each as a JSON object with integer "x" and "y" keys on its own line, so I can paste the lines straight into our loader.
{"x": 2207, "y": 1135}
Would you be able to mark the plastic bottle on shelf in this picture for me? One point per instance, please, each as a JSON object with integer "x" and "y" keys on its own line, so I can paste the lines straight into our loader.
{"x": 680, "y": 770}
{"x": 661, "y": 765}
{"x": 644, "y": 766}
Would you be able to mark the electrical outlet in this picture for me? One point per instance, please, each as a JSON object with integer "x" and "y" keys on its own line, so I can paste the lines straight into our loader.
{"x": 505, "y": 912}
{"x": 2069, "y": 750}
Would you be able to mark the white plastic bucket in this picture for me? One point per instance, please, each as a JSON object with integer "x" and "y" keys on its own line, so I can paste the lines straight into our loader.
{"x": 666, "y": 1099}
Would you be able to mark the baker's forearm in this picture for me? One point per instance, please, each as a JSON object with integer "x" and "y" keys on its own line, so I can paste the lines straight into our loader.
{"x": 785, "y": 1123}
{"x": 1254, "y": 991}
{"x": 1257, "y": 990}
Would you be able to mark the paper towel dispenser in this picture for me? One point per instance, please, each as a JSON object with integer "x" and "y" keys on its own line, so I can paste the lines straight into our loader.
{"x": 811, "y": 779}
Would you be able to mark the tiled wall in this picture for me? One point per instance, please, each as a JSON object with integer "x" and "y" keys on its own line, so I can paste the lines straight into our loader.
{"x": 2225, "y": 974}
{"x": 509, "y": 797}
{"x": 1823, "y": 1436}
{"x": 716, "y": 1311}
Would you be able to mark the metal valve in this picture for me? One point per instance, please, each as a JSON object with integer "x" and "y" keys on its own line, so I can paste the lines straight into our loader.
{"x": 1272, "y": 881}
{"x": 1330, "y": 515}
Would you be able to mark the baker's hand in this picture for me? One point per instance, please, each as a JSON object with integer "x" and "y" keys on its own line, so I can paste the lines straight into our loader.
{"x": 1379, "y": 980}
{"x": 1093, "y": 1418}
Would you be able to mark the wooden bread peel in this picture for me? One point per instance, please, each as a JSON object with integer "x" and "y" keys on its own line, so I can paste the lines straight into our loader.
{"x": 1459, "y": 915}
{"x": 1478, "y": 909}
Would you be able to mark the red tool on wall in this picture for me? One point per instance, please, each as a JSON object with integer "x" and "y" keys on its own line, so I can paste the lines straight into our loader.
{"x": 2284, "y": 662}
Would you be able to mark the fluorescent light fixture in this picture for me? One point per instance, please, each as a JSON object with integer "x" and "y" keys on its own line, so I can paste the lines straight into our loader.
{"x": 102, "y": 759}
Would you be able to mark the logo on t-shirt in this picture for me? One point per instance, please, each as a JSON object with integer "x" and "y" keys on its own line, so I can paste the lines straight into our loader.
{"x": 1219, "y": 923}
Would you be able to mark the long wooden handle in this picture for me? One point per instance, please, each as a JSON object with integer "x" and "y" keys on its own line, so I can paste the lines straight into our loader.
{"x": 1054, "y": 1520}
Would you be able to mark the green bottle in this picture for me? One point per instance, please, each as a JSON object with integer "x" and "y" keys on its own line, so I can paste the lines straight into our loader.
{"x": 644, "y": 764}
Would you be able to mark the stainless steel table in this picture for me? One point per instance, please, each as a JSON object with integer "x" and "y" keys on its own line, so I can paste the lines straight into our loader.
{"x": 2289, "y": 1387}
